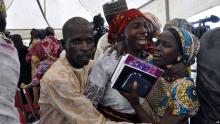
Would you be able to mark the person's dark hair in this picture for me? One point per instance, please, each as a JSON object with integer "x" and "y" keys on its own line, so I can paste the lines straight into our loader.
{"x": 98, "y": 20}
{"x": 17, "y": 40}
{"x": 2, "y": 22}
{"x": 62, "y": 43}
{"x": 70, "y": 24}
{"x": 35, "y": 34}
{"x": 98, "y": 28}
{"x": 7, "y": 34}
{"x": 49, "y": 31}
{"x": 41, "y": 34}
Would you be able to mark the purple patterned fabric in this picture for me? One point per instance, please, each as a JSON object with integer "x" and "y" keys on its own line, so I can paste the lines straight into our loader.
{"x": 143, "y": 66}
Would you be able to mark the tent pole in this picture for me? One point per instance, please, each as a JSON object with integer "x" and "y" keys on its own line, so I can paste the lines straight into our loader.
{"x": 45, "y": 7}
{"x": 38, "y": 2}
{"x": 145, "y": 4}
{"x": 167, "y": 10}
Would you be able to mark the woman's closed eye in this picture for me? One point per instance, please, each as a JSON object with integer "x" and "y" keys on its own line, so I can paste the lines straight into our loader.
{"x": 166, "y": 44}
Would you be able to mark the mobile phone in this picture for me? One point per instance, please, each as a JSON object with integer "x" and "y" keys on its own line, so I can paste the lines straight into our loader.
{"x": 144, "y": 85}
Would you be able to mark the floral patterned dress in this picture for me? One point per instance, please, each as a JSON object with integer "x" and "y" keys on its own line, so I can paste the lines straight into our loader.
{"x": 179, "y": 95}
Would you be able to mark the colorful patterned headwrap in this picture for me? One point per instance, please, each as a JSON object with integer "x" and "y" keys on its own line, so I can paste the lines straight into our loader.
{"x": 119, "y": 23}
{"x": 188, "y": 42}
{"x": 51, "y": 46}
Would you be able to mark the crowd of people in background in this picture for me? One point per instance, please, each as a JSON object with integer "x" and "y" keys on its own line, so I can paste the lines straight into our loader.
{"x": 70, "y": 78}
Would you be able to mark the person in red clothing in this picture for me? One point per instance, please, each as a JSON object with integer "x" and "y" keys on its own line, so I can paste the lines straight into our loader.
{"x": 52, "y": 50}
{"x": 38, "y": 53}
{"x": 131, "y": 29}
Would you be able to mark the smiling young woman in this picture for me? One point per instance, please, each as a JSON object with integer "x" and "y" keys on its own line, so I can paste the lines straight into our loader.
{"x": 170, "y": 102}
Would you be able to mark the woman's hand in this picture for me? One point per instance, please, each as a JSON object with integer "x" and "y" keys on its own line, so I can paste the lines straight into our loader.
{"x": 135, "y": 103}
{"x": 178, "y": 70}
{"x": 169, "y": 118}
{"x": 24, "y": 86}
{"x": 132, "y": 97}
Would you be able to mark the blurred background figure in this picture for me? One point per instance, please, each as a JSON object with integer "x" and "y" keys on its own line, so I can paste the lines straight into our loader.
{"x": 35, "y": 37}
{"x": 10, "y": 67}
{"x": 200, "y": 26}
{"x": 98, "y": 28}
{"x": 180, "y": 23}
{"x": 37, "y": 54}
{"x": 208, "y": 76}
{"x": 52, "y": 49}
{"x": 25, "y": 68}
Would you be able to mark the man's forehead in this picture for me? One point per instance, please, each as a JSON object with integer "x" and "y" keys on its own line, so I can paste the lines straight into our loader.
{"x": 83, "y": 29}
{"x": 77, "y": 27}
{"x": 167, "y": 36}
{"x": 80, "y": 31}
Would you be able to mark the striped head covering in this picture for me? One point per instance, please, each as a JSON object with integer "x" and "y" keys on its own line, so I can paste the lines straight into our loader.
{"x": 188, "y": 42}
{"x": 113, "y": 8}
{"x": 119, "y": 23}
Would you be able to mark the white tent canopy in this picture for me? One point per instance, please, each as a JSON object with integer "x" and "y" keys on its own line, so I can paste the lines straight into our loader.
{"x": 169, "y": 9}
{"x": 23, "y": 15}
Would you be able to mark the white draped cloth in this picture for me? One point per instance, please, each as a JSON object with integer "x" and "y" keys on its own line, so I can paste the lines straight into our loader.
{"x": 9, "y": 76}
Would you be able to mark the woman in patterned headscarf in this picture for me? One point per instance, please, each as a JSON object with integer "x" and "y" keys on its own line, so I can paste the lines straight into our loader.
{"x": 170, "y": 102}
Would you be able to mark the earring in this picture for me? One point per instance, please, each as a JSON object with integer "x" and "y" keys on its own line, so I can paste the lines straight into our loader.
{"x": 178, "y": 58}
